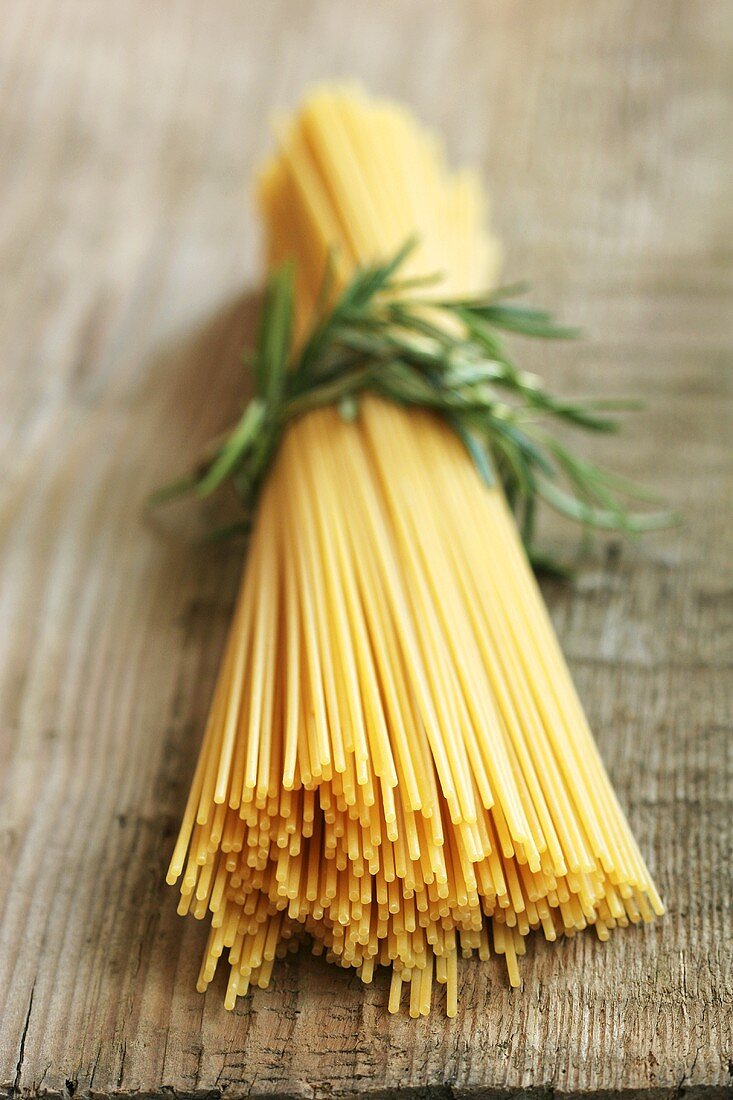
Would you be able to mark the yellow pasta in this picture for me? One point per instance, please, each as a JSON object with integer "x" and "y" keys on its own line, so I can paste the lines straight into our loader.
{"x": 396, "y": 766}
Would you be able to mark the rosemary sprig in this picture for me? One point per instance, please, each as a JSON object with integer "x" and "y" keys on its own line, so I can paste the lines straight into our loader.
{"x": 447, "y": 356}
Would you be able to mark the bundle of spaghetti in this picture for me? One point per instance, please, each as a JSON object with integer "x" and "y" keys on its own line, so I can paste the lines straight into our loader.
{"x": 396, "y": 765}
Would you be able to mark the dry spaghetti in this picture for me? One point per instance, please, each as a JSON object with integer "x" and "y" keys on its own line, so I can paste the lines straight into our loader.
{"x": 396, "y": 764}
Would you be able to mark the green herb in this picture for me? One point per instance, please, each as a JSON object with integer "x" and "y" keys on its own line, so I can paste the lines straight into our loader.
{"x": 447, "y": 356}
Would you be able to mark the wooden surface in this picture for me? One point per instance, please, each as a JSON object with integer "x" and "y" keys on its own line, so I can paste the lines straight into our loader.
{"x": 128, "y": 133}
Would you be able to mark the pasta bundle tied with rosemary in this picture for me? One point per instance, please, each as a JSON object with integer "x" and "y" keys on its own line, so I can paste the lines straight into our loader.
{"x": 396, "y": 766}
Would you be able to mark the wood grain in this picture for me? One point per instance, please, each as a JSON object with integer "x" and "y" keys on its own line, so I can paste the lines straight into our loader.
{"x": 128, "y": 133}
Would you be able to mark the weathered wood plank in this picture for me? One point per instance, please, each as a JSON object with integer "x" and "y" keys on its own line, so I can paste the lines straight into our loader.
{"x": 127, "y": 135}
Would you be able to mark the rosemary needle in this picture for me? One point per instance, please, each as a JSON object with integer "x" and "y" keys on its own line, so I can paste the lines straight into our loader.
{"x": 447, "y": 356}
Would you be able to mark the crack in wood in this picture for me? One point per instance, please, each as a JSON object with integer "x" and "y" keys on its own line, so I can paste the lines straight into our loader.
{"x": 21, "y": 1051}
